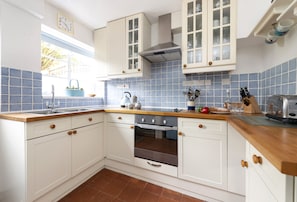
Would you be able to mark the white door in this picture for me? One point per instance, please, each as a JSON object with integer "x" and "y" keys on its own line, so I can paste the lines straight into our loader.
{"x": 87, "y": 147}
{"x": 49, "y": 163}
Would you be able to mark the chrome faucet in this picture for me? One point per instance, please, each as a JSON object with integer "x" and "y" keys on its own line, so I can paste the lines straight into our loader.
{"x": 52, "y": 104}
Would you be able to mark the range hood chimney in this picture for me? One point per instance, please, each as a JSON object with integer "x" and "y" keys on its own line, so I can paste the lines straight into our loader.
{"x": 166, "y": 50}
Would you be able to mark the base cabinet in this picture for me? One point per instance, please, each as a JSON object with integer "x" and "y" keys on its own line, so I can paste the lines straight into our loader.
{"x": 202, "y": 150}
{"x": 120, "y": 137}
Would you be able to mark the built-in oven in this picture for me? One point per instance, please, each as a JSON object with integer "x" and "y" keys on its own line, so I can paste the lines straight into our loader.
{"x": 156, "y": 138}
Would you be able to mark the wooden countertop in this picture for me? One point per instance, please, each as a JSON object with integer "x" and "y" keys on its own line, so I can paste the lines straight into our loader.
{"x": 277, "y": 144}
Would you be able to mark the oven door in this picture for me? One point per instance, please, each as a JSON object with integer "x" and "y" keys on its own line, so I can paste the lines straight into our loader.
{"x": 156, "y": 143}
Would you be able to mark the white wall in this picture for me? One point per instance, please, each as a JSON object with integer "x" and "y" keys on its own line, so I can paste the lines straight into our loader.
{"x": 81, "y": 32}
{"x": 20, "y": 38}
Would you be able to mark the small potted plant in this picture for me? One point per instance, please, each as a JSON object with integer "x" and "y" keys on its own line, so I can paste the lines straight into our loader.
{"x": 191, "y": 96}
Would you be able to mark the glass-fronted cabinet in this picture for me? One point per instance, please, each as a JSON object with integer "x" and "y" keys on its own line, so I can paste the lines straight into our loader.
{"x": 208, "y": 35}
{"x": 137, "y": 27}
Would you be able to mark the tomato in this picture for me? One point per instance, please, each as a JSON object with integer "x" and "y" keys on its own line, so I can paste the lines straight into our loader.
{"x": 205, "y": 110}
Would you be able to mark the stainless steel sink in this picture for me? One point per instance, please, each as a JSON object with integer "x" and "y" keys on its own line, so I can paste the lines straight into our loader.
{"x": 58, "y": 111}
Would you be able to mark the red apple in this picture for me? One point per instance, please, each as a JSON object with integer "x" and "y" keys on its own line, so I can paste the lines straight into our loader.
{"x": 205, "y": 110}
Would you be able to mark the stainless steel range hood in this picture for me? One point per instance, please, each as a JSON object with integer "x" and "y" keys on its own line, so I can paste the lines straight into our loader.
{"x": 166, "y": 50}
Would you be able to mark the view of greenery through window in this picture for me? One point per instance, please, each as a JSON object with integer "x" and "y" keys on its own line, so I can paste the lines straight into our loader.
{"x": 67, "y": 69}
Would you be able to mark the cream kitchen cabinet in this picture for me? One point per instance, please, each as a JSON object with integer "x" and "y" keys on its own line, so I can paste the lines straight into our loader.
{"x": 208, "y": 35}
{"x": 120, "y": 137}
{"x": 126, "y": 38}
{"x": 264, "y": 183}
{"x": 202, "y": 151}
{"x": 54, "y": 155}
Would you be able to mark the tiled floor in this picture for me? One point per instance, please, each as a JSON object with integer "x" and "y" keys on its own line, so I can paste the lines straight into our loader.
{"x": 107, "y": 186}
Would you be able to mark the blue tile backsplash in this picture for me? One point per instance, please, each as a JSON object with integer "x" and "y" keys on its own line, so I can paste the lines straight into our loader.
{"x": 167, "y": 83}
{"x": 22, "y": 90}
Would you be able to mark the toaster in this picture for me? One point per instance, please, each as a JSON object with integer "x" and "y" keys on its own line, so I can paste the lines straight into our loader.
{"x": 282, "y": 107}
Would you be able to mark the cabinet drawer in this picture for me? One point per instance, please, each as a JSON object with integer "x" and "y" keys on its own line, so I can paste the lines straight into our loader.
{"x": 156, "y": 166}
{"x": 120, "y": 118}
{"x": 87, "y": 119}
{"x": 279, "y": 184}
{"x": 46, "y": 127}
{"x": 213, "y": 127}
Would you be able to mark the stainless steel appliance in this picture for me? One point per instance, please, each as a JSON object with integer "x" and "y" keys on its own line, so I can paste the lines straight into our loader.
{"x": 156, "y": 138}
{"x": 282, "y": 108}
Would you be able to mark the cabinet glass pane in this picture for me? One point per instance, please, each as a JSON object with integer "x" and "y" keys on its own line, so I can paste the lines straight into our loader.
{"x": 198, "y": 58}
{"x": 226, "y": 16}
{"x": 226, "y": 2}
{"x": 135, "y": 50}
{"x": 135, "y": 36}
{"x": 190, "y": 24}
{"x": 130, "y": 24}
{"x": 226, "y": 34}
{"x": 198, "y": 40}
{"x": 216, "y": 36}
{"x": 130, "y": 51}
{"x": 190, "y": 41}
{"x": 190, "y": 56}
{"x": 190, "y": 8}
{"x": 130, "y": 36}
{"x": 216, "y": 4}
{"x": 198, "y": 22}
{"x": 136, "y": 23}
{"x": 216, "y": 53}
{"x": 130, "y": 64}
{"x": 198, "y": 6}
{"x": 216, "y": 18}
{"x": 226, "y": 52}
{"x": 135, "y": 63}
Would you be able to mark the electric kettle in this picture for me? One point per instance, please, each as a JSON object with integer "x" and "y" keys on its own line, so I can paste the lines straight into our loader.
{"x": 125, "y": 101}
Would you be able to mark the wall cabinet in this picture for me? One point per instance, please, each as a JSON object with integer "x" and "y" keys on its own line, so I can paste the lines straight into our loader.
{"x": 202, "y": 151}
{"x": 208, "y": 35}
{"x": 264, "y": 183}
{"x": 126, "y": 38}
{"x": 120, "y": 137}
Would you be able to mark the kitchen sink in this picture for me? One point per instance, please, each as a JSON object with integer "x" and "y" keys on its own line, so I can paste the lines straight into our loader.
{"x": 58, "y": 111}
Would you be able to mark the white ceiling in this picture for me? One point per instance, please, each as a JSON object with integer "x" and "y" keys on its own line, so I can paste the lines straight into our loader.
{"x": 95, "y": 13}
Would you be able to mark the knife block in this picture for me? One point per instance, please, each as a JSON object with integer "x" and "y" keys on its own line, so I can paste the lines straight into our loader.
{"x": 253, "y": 107}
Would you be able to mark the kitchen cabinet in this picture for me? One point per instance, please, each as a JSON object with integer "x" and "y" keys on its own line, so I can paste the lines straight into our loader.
{"x": 263, "y": 181}
{"x": 126, "y": 38}
{"x": 52, "y": 155}
{"x": 208, "y": 35}
{"x": 120, "y": 137}
{"x": 236, "y": 152}
{"x": 202, "y": 151}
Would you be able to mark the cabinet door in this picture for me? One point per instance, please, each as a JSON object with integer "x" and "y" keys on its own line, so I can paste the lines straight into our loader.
{"x": 49, "y": 163}
{"x": 120, "y": 142}
{"x": 87, "y": 147}
{"x": 116, "y": 46}
{"x": 202, "y": 151}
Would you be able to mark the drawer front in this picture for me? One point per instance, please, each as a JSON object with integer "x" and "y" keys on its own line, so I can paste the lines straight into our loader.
{"x": 213, "y": 127}
{"x": 279, "y": 184}
{"x": 46, "y": 127}
{"x": 120, "y": 118}
{"x": 156, "y": 166}
{"x": 87, "y": 119}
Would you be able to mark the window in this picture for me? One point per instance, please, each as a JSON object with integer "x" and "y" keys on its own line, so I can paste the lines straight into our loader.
{"x": 67, "y": 64}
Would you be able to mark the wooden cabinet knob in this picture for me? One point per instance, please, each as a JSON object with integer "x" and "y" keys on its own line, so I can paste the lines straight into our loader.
{"x": 180, "y": 133}
{"x": 210, "y": 63}
{"x": 120, "y": 118}
{"x": 123, "y": 72}
{"x": 185, "y": 66}
{"x": 139, "y": 70}
{"x": 257, "y": 159}
{"x": 200, "y": 126}
{"x": 52, "y": 126}
{"x": 74, "y": 132}
{"x": 90, "y": 119}
{"x": 69, "y": 132}
{"x": 244, "y": 164}
{"x": 132, "y": 127}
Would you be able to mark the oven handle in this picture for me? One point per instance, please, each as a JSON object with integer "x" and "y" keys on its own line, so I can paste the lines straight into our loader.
{"x": 156, "y": 127}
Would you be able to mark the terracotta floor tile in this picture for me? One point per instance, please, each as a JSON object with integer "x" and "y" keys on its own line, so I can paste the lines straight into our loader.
{"x": 130, "y": 193}
{"x": 146, "y": 196}
{"x": 186, "y": 198}
{"x": 154, "y": 189}
{"x": 167, "y": 193}
{"x": 115, "y": 187}
{"x": 102, "y": 197}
